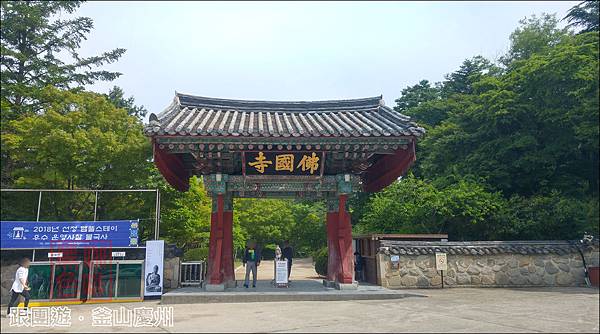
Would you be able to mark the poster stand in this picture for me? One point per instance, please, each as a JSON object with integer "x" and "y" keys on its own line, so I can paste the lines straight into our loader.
{"x": 281, "y": 273}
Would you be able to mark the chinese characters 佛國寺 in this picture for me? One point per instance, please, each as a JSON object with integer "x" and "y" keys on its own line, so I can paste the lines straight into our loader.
{"x": 284, "y": 163}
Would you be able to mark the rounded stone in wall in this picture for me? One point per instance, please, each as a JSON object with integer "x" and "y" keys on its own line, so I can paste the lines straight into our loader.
{"x": 576, "y": 264}
{"x": 550, "y": 268}
{"x": 535, "y": 280}
{"x": 487, "y": 280}
{"x": 473, "y": 270}
{"x": 436, "y": 280}
{"x": 422, "y": 281}
{"x": 414, "y": 272}
{"x": 564, "y": 267}
{"x": 408, "y": 281}
{"x": 449, "y": 281}
{"x": 549, "y": 279}
{"x": 564, "y": 279}
{"x": 463, "y": 279}
{"x": 501, "y": 278}
{"x": 518, "y": 280}
{"x": 524, "y": 261}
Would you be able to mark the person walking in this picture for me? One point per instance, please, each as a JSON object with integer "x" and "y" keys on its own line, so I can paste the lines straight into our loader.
{"x": 19, "y": 286}
{"x": 359, "y": 267}
{"x": 251, "y": 261}
{"x": 288, "y": 254}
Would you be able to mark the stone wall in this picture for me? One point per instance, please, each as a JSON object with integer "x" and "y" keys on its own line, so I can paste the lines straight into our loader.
{"x": 7, "y": 277}
{"x": 481, "y": 264}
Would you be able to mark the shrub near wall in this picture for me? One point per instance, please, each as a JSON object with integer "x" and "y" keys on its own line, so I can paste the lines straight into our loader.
{"x": 485, "y": 264}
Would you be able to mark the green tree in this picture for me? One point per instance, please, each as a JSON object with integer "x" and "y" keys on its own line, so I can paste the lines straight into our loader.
{"x": 470, "y": 71}
{"x": 80, "y": 141}
{"x": 186, "y": 220}
{"x": 413, "y": 96}
{"x": 463, "y": 209}
{"x": 32, "y": 36}
{"x": 585, "y": 15}
{"x": 308, "y": 232}
{"x": 266, "y": 221}
{"x": 534, "y": 35}
{"x": 117, "y": 97}
{"x": 531, "y": 130}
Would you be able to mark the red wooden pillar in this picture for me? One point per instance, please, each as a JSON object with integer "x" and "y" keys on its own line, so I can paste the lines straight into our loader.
{"x": 344, "y": 231}
{"x": 340, "y": 265}
{"x": 220, "y": 257}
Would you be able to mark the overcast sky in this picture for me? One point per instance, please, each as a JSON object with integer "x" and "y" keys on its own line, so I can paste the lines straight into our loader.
{"x": 295, "y": 50}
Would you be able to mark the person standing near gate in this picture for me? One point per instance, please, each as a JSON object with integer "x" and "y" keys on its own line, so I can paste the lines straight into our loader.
{"x": 288, "y": 254}
{"x": 251, "y": 261}
{"x": 19, "y": 286}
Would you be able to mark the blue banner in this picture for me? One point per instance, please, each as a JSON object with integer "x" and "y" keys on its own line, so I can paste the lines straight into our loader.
{"x": 64, "y": 234}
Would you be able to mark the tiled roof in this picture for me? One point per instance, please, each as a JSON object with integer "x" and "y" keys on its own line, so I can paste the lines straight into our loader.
{"x": 202, "y": 116}
{"x": 483, "y": 247}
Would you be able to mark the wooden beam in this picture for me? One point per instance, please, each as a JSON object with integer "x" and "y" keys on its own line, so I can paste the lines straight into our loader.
{"x": 172, "y": 168}
{"x": 387, "y": 169}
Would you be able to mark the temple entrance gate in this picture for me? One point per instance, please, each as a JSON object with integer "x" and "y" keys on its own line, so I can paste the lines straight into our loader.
{"x": 321, "y": 150}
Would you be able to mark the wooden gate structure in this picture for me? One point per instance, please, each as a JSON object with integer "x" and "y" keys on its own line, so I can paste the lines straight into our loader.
{"x": 321, "y": 150}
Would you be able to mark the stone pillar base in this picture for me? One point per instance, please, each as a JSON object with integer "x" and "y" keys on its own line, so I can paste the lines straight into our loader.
{"x": 346, "y": 286}
{"x": 231, "y": 284}
{"x": 214, "y": 287}
{"x": 328, "y": 284}
{"x": 340, "y": 286}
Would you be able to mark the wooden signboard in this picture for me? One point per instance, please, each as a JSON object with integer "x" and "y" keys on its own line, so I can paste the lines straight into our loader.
{"x": 283, "y": 163}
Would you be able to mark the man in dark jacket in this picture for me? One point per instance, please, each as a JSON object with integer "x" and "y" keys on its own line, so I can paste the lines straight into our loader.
{"x": 288, "y": 254}
{"x": 251, "y": 261}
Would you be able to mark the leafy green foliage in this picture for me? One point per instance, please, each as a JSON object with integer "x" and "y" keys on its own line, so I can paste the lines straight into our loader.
{"x": 585, "y": 15}
{"x": 186, "y": 221}
{"x": 117, "y": 97}
{"x": 80, "y": 141}
{"x": 33, "y": 34}
{"x": 320, "y": 257}
{"x": 413, "y": 96}
{"x": 510, "y": 153}
{"x": 535, "y": 35}
{"x": 463, "y": 209}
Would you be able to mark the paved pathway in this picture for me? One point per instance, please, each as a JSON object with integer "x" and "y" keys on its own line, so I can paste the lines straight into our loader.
{"x": 301, "y": 269}
{"x": 448, "y": 310}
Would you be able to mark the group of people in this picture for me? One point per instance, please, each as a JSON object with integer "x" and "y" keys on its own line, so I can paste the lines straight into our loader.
{"x": 252, "y": 258}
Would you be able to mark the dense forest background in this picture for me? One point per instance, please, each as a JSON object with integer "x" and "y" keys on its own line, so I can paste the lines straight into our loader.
{"x": 511, "y": 150}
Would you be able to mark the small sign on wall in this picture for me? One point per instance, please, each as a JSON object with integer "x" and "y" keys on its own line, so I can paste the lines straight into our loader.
{"x": 395, "y": 261}
{"x": 55, "y": 255}
{"x": 441, "y": 262}
{"x": 118, "y": 254}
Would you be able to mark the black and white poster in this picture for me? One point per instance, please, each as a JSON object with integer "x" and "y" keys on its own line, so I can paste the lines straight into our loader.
{"x": 153, "y": 276}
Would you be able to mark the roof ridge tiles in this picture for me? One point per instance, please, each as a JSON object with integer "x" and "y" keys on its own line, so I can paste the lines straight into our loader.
{"x": 201, "y": 116}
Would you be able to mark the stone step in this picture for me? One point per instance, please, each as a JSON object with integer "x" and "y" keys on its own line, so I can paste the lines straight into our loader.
{"x": 254, "y": 297}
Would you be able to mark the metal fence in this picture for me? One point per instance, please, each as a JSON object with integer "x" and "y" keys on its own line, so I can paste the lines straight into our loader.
{"x": 192, "y": 273}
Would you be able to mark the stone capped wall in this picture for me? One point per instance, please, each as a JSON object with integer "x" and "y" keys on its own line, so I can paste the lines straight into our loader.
{"x": 481, "y": 264}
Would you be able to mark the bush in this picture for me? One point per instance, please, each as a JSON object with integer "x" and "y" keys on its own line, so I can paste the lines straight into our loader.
{"x": 195, "y": 254}
{"x": 320, "y": 259}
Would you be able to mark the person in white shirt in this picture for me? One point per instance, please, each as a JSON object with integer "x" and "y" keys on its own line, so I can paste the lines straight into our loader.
{"x": 20, "y": 287}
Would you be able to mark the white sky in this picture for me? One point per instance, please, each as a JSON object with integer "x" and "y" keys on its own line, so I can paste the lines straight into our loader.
{"x": 295, "y": 50}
